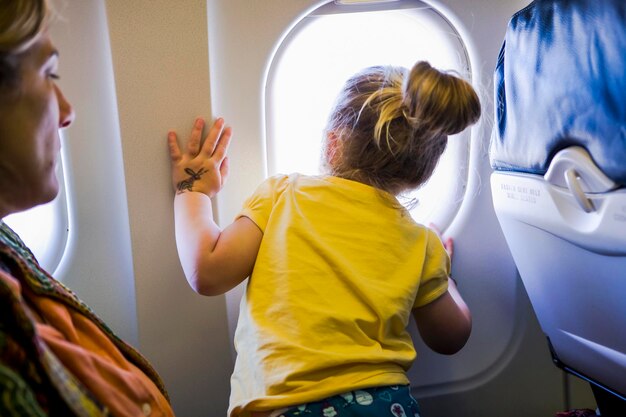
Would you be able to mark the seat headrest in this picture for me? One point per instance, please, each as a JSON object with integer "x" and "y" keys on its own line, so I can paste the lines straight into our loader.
{"x": 560, "y": 81}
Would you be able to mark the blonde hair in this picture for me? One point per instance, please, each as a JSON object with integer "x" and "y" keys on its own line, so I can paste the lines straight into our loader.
{"x": 21, "y": 24}
{"x": 390, "y": 126}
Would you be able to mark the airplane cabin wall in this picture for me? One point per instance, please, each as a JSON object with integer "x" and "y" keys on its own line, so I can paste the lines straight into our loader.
{"x": 148, "y": 66}
{"x": 97, "y": 263}
{"x": 160, "y": 57}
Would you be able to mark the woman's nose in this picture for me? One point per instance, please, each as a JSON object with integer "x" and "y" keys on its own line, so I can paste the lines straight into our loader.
{"x": 66, "y": 111}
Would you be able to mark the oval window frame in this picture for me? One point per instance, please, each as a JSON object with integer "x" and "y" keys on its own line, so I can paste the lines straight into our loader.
{"x": 440, "y": 210}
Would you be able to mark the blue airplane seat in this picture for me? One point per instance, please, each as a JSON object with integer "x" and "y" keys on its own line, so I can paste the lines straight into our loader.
{"x": 558, "y": 152}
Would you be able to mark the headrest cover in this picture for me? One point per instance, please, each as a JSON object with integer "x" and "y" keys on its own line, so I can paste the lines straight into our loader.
{"x": 560, "y": 81}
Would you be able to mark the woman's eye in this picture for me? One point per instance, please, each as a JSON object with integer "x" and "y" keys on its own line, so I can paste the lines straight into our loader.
{"x": 54, "y": 76}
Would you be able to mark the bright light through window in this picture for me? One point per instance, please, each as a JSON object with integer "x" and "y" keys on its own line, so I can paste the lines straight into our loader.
{"x": 44, "y": 229}
{"x": 322, "y": 52}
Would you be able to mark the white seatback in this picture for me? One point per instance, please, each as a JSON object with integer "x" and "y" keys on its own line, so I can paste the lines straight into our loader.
{"x": 567, "y": 233}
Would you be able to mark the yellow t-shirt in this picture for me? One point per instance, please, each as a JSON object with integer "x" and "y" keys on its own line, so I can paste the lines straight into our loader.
{"x": 340, "y": 267}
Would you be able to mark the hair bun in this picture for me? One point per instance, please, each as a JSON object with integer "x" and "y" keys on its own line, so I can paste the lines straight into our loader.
{"x": 438, "y": 102}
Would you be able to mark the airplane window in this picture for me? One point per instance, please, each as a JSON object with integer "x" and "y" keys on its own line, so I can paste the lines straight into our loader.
{"x": 45, "y": 228}
{"x": 332, "y": 43}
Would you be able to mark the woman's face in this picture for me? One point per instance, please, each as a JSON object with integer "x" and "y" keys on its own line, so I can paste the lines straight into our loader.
{"x": 30, "y": 118}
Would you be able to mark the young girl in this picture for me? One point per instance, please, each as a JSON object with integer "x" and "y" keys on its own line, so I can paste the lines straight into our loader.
{"x": 336, "y": 264}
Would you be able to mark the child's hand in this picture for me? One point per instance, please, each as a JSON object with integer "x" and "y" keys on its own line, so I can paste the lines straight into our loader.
{"x": 202, "y": 168}
{"x": 448, "y": 243}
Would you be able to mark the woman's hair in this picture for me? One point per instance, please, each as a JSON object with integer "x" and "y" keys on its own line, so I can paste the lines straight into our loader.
{"x": 21, "y": 24}
{"x": 390, "y": 126}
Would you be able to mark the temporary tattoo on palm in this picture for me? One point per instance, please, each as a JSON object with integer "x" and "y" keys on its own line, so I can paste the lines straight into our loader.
{"x": 187, "y": 185}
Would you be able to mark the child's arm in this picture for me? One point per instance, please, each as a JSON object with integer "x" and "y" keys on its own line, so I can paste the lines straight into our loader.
{"x": 214, "y": 261}
{"x": 446, "y": 323}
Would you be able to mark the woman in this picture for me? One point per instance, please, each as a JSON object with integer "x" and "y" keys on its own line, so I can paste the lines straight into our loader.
{"x": 56, "y": 356}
